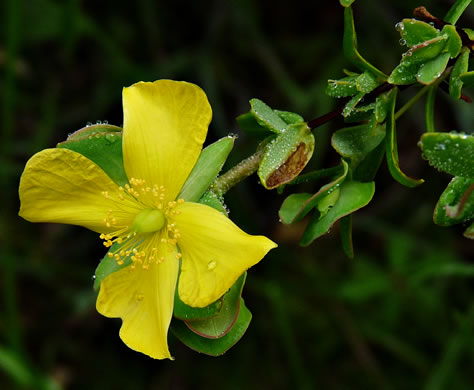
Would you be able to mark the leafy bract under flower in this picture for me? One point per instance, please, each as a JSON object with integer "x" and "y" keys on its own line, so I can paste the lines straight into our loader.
{"x": 165, "y": 125}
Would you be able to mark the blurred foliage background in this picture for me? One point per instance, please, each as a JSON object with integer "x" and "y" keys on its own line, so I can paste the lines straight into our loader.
{"x": 398, "y": 316}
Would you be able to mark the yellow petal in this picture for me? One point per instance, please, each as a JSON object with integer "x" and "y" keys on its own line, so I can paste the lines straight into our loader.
{"x": 165, "y": 125}
{"x": 59, "y": 185}
{"x": 144, "y": 300}
{"x": 215, "y": 253}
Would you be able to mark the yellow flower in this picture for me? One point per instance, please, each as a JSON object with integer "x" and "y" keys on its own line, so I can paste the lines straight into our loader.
{"x": 165, "y": 125}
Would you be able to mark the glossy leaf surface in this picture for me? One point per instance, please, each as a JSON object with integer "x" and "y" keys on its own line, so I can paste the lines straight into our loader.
{"x": 353, "y": 196}
{"x": 391, "y": 146}
{"x": 449, "y": 152}
{"x": 296, "y": 206}
{"x": 456, "y": 203}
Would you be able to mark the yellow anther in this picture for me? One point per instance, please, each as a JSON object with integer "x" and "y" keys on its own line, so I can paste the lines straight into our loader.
{"x": 179, "y": 255}
{"x": 180, "y": 200}
{"x": 110, "y": 255}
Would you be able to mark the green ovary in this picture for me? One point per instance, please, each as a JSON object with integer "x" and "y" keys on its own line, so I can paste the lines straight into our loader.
{"x": 148, "y": 221}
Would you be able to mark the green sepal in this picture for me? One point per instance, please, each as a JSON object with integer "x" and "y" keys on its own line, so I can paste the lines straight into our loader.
{"x": 211, "y": 199}
{"x": 220, "y": 324}
{"x": 353, "y": 196}
{"x": 460, "y": 67}
{"x": 296, "y": 206}
{"x": 213, "y": 347}
{"x": 467, "y": 78}
{"x": 101, "y": 144}
{"x": 204, "y": 172}
{"x": 392, "y": 148}
{"x": 345, "y": 229}
{"x": 346, "y": 3}
{"x": 109, "y": 265}
{"x": 286, "y": 156}
{"x": 431, "y": 70}
{"x": 454, "y": 43}
{"x": 469, "y": 232}
{"x": 350, "y": 47}
{"x": 357, "y": 141}
{"x": 456, "y": 203}
{"x": 261, "y": 120}
{"x": 449, "y": 152}
{"x": 92, "y": 130}
{"x": 414, "y": 31}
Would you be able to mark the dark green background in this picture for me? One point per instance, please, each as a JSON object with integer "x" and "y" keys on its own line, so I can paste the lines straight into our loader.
{"x": 398, "y": 316}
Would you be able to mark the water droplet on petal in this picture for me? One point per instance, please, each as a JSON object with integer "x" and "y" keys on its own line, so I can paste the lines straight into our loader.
{"x": 211, "y": 265}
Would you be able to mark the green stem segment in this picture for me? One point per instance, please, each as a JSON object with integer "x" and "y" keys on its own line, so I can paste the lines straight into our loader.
{"x": 456, "y": 11}
{"x": 238, "y": 173}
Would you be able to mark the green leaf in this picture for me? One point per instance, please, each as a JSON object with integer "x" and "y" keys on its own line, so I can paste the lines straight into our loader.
{"x": 353, "y": 196}
{"x": 467, "y": 78}
{"x": 343, "y": 87}
{"x": 356, "y": 142}
{"x": 350, "y": 47}
{"x": 101, "y": 144}
{"x": 213, "y": 347}
{"x": 381, "y": 107}
{"x": 361, "y": 113}
{"x": 366, "y": 82}
{"x": 391, "y": 145}
{"x": 449, "y": 152}
{"x": 289, "y": 117}
{"x": 209, "y": 164}
{"x": 286, "y": 156}
{"x": 404, "y": 73}
{"x": 469, "y": 232}
{"x": 219, "y": 325}
{"x": 292, "y": 206}
{"x": 296, "y": 206}
{"x": 431, "y": 70}
{"x": 470, "y": 33}
{"x": 351, "y": 104}
{"x": 346, "y": 235}
{"x": 460, "y": 67}
{"x": 368, "y": 167}
{"x": 415, "y": 31}
{"x": 426, "y": 51}
{"x": 456, "y": 203}
{"x": 454, "y": 43}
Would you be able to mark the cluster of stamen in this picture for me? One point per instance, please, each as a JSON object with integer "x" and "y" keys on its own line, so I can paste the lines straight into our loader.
{"x": 141, "y": 248}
